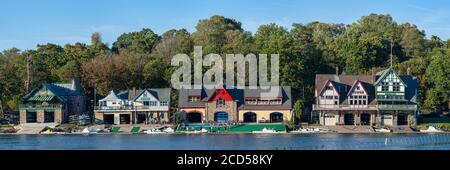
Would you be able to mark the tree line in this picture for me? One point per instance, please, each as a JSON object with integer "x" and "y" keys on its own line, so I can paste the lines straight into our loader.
{"x": 142, "y": 59}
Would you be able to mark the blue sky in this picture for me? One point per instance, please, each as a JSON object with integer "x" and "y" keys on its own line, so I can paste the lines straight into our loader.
{"x": 26, "y": 23}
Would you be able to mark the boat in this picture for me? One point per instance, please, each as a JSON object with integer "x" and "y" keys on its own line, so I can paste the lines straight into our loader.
{"x": 85, "y": 130}
{"x": 168, "y": 130}
{"x": 383, "y": 130}
{"x": 307, "y": 130}
{"x": 154, "y": 131}
{"x": 265, "y": 130}
{"x": 431, "y": 129}
{"x": 203, "y": 130}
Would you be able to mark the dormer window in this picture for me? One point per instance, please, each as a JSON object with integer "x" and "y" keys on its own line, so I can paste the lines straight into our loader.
{"x": 194, "y": 98}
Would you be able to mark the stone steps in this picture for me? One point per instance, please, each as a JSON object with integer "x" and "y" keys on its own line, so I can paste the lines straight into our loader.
{"x": 34, "y": 128}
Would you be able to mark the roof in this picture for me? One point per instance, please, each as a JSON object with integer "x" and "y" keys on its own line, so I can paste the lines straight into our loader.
{"x": 239, "y": 95}
{"x": 382, "y": 74}
{"x": 344, "y": 83}
{"x": 161, "y": 94}
{"x": 111, "y": 96}
{"x": 368, "y": 82}
{"x": 60, "y": 90}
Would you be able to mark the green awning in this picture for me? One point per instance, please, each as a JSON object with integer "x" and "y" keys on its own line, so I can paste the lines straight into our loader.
{"x": 41, "y": 98}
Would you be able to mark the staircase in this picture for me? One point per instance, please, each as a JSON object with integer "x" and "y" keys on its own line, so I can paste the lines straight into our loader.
{"x": 34, "y": 128}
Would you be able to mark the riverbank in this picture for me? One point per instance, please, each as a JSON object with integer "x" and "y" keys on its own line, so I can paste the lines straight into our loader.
{"x": 209, "y": 129}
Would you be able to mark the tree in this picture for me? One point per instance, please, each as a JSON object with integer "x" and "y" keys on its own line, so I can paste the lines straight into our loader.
{"x": 211, "y": 33}
{"x": 142, "y": 41}
{"x": 298, "y": 110}
{"x": 438, "y": 75}
{"x": 96, "y": 42}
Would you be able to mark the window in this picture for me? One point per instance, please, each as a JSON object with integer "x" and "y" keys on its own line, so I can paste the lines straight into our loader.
{"x": 152, "y": 103}
{"x": 194, "y": 98}
{"x": 384, "y": 86}
{"x": 220, "y": 102}
{"x": 146, "y": 103}
{"x": 396, "y": 86}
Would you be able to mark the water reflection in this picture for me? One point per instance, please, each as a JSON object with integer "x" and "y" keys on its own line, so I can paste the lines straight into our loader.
{"x": 229, "y": 141}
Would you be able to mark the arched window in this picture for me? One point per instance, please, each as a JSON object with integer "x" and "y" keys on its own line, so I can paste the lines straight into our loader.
{"x": 220, "y": 102}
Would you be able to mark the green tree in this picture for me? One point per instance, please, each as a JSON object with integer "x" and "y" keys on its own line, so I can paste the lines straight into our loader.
{"x": 142, "y": 41}
{"x": 438, "y": 74}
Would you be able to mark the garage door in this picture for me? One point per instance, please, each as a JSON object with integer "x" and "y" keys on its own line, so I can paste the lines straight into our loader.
{"x": 387, "y": 120}
{"x": 330, "y": 120}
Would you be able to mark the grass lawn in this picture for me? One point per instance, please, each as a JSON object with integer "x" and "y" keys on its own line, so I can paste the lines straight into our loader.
{"x": 439, "y": 122}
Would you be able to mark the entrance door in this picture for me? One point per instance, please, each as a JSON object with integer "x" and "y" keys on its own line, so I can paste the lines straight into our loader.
{"x": 276, "y": 117}
{"x": 249, "y": 117}
{"x": 108, "y": 119}
{"x": 141, "y": 117}
{"x": 31, "y": 117}
{"x": 330, "y": 120}
{"x": 194, "y": 117}
{"x": 349, "y": 119}
{"x": 402, "y": 119}
{"x": 365, "y": 119}
{"x": 49, "y": 117}
{"x": 387, "y": 120}
{"x": 221, "y": 117}
{"x": 124, "y": 118}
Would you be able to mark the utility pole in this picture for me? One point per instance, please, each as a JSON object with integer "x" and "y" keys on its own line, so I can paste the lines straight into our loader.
{"x": 27, "y": 83}
{"x": 392, "y": 46}
{"x": 2, "y": 115}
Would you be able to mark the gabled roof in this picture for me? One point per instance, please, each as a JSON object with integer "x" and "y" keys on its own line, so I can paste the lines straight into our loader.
{"x": 354, "y": 85}
{"x": 161, "y": 94}
{"x": 60, "y": 90}
{"x": 111, "y": 96}
{"x": 238, "y": 95}
{"x": 386, "y": 72}
{"x": 332, "y": 84}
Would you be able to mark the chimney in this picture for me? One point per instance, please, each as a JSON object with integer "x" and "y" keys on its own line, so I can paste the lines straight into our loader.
{"x": 134, "y": 91}
{"x": 373, "y": 74}
{"x": 408, "y": 71}
{"x": 337, "y": 71}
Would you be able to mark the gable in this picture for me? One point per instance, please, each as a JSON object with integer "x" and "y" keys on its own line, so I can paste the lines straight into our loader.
{"x": 358, "y": 89}
{"x": 389, "y": 76}
{"x": 146, "y": 96}
{"x": 329, "y": 89}
{"x": 221, "y": 93}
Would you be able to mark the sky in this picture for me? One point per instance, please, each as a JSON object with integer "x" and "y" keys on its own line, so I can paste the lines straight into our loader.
{"x": 26, "y": 23}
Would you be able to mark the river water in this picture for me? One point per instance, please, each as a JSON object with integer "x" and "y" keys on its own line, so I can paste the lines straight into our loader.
{"x": 227, "y": 142}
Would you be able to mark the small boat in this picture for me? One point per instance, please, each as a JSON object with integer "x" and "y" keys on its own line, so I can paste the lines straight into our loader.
{"x": 431, "y": 129}
{"x": 307, "y": 130}
{"x": 85, "y": 130}
{"x": 203, "y": 130}
{"x": 168, "y": 130}
{"x": 154, "y": 131}
{"x": 383, "y": 130}
{"x": 265, "y": 130}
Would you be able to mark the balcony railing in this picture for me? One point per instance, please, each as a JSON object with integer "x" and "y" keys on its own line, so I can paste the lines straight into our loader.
{"x": 130, "y": 108}
{"x": 363, "y": 107}
{"x": 39, "y": 106}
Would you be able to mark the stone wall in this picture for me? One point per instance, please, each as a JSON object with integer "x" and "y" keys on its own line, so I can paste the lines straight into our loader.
{"x": 22, "y": 116}
{"x": 229, "y": 107}
{"x": 40, "y": 116}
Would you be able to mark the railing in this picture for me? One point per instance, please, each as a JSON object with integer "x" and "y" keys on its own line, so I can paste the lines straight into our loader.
{"x": 363, "y": 107}
{"x": 397, "y": 107}
{"x": 130, "y": 108}
{"x": 39, "y": 106}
